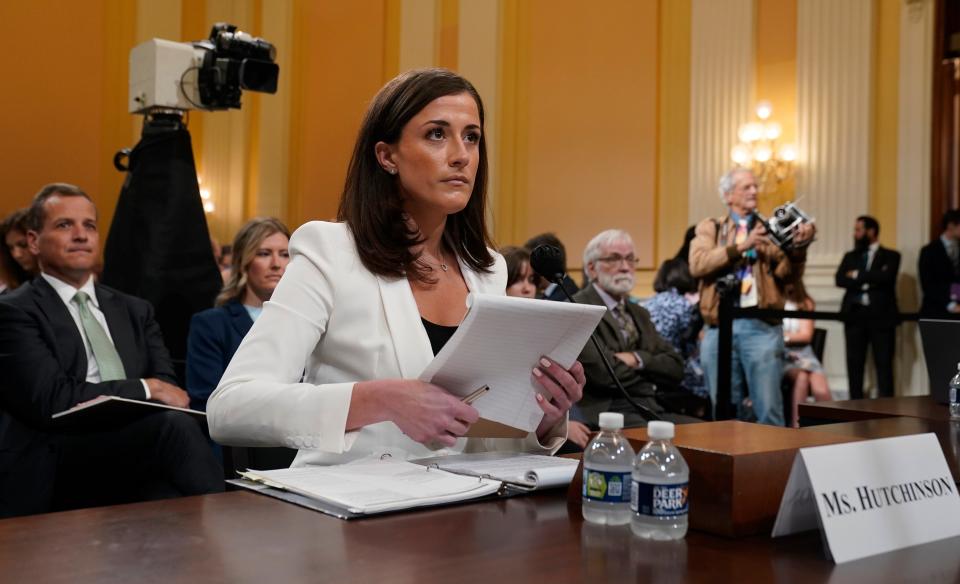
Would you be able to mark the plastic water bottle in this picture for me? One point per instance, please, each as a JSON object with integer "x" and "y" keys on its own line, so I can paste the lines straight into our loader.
{"x": 955, "y": 395}
{"x": 658, "y": 494}
{"x": 607, "y": 466}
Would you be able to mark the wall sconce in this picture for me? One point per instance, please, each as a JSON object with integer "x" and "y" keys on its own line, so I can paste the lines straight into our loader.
{"x": 771, "y": 162}
{"x": 208, "y": 206}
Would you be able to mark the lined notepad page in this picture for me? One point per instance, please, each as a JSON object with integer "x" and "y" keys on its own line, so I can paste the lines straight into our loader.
{"x": 500, "y": 342}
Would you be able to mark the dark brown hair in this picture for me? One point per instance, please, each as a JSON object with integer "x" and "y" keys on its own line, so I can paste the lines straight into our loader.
{"x": 515, "y": 258}
{"x": 870, "y": 223}
{"x": 674, "y": 273}
{"x": 548, "y": 238}
{"x": 797, "y": 292}
{"x": 372, "y": 205}
{"x": 14, "y": 274}
{"x": 36, "y": 214}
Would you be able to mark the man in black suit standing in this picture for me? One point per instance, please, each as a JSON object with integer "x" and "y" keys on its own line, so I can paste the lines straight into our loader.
{"x": 643, "y": 360}
{"x": 869, "y": 276}
{"x": 939, "y": 270}
{"x": 64, "y": 340}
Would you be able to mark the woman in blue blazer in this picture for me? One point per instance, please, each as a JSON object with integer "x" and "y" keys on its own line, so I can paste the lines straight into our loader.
{"x": 259, "y": 260}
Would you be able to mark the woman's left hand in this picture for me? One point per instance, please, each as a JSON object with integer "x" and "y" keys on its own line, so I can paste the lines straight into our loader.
{"x": 564, "y": 387}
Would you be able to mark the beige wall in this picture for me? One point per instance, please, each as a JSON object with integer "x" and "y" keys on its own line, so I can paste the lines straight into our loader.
{"x": 590, "y": 122}
{"x": 589, "y": 104}
{"x": 63, "y": 112}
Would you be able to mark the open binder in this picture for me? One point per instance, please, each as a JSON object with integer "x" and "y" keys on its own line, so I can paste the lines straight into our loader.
{"x": 374, "y": 486}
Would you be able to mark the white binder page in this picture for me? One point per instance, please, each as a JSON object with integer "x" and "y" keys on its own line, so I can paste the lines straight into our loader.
{"x": 373, "y": 486}
{"x": 500, "y": 342}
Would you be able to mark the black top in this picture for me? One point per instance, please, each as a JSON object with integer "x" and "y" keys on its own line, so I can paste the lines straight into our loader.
{"x": 438, "y": 333}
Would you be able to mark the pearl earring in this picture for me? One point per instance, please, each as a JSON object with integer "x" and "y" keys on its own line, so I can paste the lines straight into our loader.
{"x": 392, "y": 171}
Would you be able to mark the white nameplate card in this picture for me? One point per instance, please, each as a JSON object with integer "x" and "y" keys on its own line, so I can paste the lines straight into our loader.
{"x": 871, "y": 497}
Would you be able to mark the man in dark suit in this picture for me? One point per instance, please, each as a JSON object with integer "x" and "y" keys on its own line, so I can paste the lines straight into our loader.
{"x": 869, "y": 276}
{"x": 552, "y": 290}
{"x": 642, "y": 360}
{"x": 65, "y": 340}
{"x": 939, "y": 270}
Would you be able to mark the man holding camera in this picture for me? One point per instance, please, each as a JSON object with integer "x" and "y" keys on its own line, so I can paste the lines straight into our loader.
{"x": 733, "y": 255}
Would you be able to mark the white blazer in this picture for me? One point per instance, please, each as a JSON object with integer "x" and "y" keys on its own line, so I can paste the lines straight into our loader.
{"x": 333, "y": 322}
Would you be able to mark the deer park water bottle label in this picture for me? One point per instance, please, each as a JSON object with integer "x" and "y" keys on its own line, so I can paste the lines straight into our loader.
{"x": 659, "y": 500}
{"x": 606, "y": 487}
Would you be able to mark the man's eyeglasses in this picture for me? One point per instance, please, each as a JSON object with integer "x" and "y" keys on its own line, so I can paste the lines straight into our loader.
{"x": 616, "y": 259}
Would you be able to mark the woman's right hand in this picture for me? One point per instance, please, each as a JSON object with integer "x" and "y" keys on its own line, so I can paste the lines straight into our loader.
{"x": 425, "y": 412}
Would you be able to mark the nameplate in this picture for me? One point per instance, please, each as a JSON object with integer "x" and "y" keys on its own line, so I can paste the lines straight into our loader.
{"x": 871, "y": 497}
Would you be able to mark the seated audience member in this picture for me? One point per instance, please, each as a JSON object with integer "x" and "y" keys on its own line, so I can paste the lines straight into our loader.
{"x": 64, "y": 340}
{"x": 522, "y": 282}
{"x": 550, "y": 290}
{"x": 366, "y": 303}
{"x": 939, "y": 270}
{"x": 17, "y": 264}
{"x": 675, "y": 313}
{"x": 641, "y": 358}
{"x": 801, "y": 367}
{"x": 216, "y": 333}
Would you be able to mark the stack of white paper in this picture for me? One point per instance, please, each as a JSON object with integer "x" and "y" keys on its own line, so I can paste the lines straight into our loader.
{"x": 500, "y": 342}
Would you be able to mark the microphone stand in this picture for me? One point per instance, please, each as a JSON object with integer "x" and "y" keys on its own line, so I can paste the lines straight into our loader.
{"x": 643, "y": 410}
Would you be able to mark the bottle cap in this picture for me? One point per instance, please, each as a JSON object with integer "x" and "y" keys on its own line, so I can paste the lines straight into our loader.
{"x": 611, "y": 421}
{"x": 660, "y": 430}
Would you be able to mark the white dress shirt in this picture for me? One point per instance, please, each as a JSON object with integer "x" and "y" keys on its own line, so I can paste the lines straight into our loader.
{"x": 871, "y": 253}
{"x": 66, "y": 292}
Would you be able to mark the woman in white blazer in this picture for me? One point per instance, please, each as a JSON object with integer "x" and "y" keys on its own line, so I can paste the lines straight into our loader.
{"x": 331, "y": 365}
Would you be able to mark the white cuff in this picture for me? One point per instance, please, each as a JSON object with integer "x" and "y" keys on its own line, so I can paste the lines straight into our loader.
{"x": 146, "y": 388}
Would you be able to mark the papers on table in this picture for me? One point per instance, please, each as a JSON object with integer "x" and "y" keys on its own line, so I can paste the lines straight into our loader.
{"x": 370, "y": 486}
{"x": 499, "y": 343}
{"x": 531, "y": 471}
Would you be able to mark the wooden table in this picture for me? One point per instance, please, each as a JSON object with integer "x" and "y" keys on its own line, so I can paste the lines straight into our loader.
{"x": 888, "y": 417}
{"x": 244, "y": 537}
{"x": 867, "y": 409}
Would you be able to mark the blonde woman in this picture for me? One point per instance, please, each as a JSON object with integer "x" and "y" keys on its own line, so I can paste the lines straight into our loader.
{"x": 259, "y": 260}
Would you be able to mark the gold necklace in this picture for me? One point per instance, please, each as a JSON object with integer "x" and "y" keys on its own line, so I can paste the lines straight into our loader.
{"x": 442, "y": 264}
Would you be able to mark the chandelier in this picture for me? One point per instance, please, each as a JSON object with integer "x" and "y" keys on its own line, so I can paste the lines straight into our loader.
{"x": 771, "y": 163}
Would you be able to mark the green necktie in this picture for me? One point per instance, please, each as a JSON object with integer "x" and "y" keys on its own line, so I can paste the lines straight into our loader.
{"x": 111, "y": 368}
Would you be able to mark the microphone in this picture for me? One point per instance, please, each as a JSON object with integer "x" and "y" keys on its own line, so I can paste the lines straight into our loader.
{"x": 547, "y": 261}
